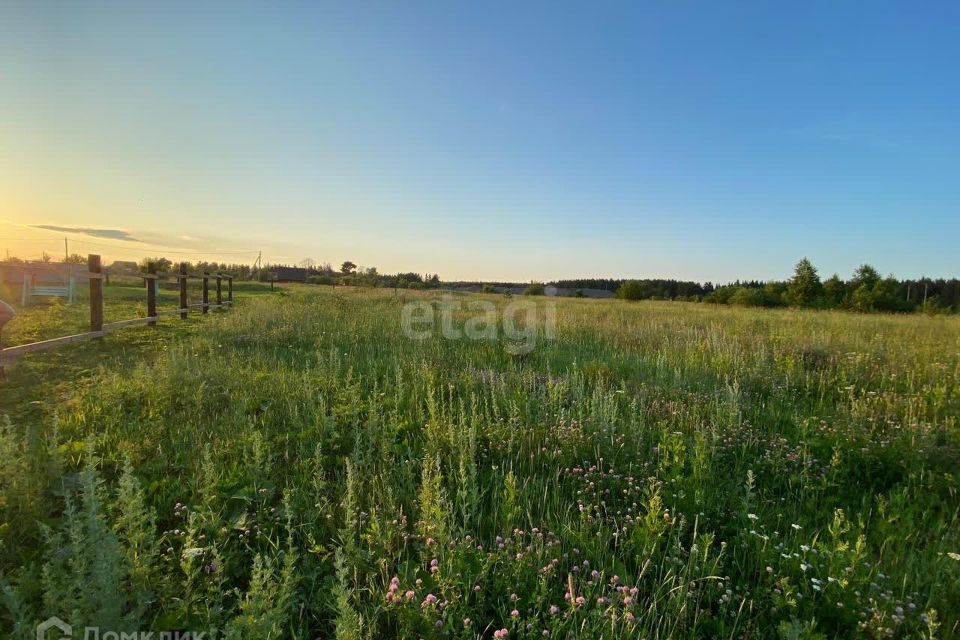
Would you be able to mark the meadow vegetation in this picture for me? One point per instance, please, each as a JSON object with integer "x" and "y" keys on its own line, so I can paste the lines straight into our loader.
{"x": 299, "y": 468}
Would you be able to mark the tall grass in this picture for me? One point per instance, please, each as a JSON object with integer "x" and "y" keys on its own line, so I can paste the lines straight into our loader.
{"x": 659, "y": 470}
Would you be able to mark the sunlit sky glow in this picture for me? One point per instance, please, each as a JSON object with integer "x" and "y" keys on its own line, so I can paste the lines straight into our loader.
{"x": 490, "y": 140}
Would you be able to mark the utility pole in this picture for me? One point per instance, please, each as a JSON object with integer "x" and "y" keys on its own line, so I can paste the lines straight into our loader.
{"x": 66, "y": 250}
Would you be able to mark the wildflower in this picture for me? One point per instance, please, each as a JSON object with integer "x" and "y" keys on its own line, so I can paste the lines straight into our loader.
{"x": 501, "y": 633}
{"x": 796, "y": 527}
{"x": 514, "y": 613}
{"x": 466, "y": 623}
{"x": 630, "y": 617}
{"x": 439, "y": 624}
{"x": 409, "y": 594}
{"x": 628, "y": 601}
{"x": 193, "y": 552}
{"x": 752, "y": 516}
{"x": 580, "y": 601}
{"x": 554, "y": 609}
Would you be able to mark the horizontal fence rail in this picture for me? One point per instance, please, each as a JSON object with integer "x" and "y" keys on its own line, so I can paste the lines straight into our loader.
{"x": 98, "y": 328}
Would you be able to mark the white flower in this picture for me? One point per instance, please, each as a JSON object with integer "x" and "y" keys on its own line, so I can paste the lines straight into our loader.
{"x": 752, "y": 516}
{"x": 796, "y": 527}
{"x": 193, "y": 552}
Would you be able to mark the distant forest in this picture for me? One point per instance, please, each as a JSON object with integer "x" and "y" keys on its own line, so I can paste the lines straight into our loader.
{"x": 652, "y": 288}
{"x": 865, "y": 290}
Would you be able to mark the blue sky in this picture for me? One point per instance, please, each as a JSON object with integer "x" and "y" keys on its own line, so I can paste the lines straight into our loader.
{"x": 698, "y": 140}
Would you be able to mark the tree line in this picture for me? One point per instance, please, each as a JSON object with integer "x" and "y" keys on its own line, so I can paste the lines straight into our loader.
{"x": 351, "y": 274}
{"x": 866, "y": 290}
{"x": 660, "y": 289}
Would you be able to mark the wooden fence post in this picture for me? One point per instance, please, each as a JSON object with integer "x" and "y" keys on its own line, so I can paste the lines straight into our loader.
{"x": 230, "y": 289}
{"x": 219, "y": 289}
{"x": 183, "y": 290}
{"x": 151, "y": 293}
{"x": 25, "y": 290}
{"x": 6, "y": 315}
{"x": 206, "y": 291}
{"x": 96, "y": 293}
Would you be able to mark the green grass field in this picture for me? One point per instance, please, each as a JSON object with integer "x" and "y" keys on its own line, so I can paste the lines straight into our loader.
{"x": 298, "y": 467}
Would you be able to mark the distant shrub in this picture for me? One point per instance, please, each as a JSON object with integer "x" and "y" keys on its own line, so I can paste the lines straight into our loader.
{"x": 534, "y": 289}
{"x": 633, "y": 290}
{"x": 775, "y": 294}
{"x": 721, "y": 295}
{"x": 322, "y": 279}
{"x": 748, "y": 297}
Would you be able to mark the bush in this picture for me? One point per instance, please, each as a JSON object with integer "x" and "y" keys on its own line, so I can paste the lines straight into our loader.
{"x": 633, "y": 290}
{"x": 534, "y": 289}
{"x": 748, "y": 297}
{"x": 323, "y": 279}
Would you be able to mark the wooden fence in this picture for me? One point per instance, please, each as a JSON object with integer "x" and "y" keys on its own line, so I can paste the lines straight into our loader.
{"x": 99, "y": 328}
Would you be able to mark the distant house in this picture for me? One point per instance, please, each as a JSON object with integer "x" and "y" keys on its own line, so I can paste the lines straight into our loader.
{"x": 290, "y": 274}
{"x": 123, "y": 268}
